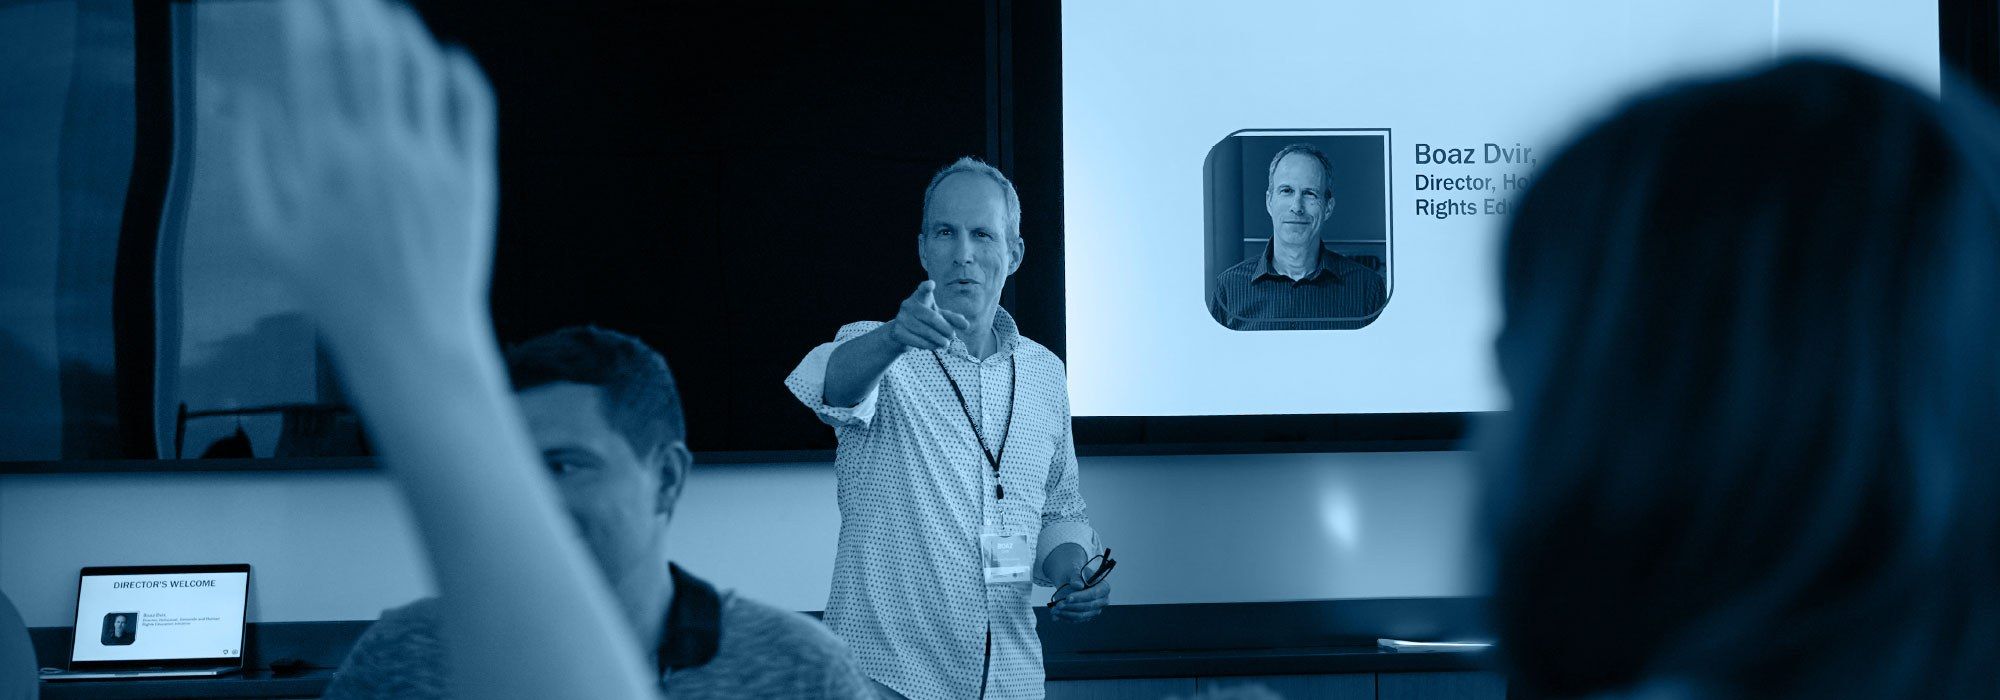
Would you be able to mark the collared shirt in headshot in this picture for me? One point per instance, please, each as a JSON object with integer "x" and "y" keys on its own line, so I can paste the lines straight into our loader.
{"x": 1339, "y": 294}
{"x": 1299, "y": 283}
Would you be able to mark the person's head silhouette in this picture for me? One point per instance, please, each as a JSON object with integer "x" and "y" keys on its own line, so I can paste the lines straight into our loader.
{"x": 1750, "y": 339}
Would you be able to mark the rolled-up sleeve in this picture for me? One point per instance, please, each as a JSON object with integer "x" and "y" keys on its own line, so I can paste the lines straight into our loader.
{"x": 808, "y": 382}
{"x": 1064, "y": 518}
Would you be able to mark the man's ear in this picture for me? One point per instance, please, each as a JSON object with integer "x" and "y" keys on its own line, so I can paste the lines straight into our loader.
{"x": 675, "y": 462}
{"x": 1019, "y": 247}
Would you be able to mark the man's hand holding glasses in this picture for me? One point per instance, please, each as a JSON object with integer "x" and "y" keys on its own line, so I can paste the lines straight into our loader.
{"x": 1083, "y": 596}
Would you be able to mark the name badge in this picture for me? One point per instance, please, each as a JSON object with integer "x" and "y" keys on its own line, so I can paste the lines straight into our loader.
{"x": 1008, "y": 557}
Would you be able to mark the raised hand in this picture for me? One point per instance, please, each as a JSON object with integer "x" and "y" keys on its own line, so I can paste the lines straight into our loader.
{"x": 368, "y": 176}
{"x": 368, "y": 183}
{"x": 921, "y": 324}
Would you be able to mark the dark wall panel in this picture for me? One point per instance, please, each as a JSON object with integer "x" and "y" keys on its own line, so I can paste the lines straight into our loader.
{"x": 730, "y": 182}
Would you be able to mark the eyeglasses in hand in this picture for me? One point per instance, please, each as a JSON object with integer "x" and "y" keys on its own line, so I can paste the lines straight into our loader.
{"x": 1104, "y": 563}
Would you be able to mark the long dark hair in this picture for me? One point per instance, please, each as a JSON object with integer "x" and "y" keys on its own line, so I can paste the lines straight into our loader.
{"x": 1753, "y": 343}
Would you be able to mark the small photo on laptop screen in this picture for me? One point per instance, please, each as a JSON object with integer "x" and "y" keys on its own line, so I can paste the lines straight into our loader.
{"x": 163, "y": 615}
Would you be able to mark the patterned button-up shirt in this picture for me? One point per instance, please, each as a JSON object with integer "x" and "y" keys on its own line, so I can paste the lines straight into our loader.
{"x": 909, "y": 590}
{"x": 1339, "y": 294}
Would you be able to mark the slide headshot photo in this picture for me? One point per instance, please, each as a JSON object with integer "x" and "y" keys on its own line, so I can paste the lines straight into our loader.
{"x": 1298, "y": 229}
{"x": 120, "y": 628}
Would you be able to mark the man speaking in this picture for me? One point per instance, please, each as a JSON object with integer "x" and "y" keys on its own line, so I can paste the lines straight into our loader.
{"x": 1298, "y": 283}
{"x": 957, "y": 474}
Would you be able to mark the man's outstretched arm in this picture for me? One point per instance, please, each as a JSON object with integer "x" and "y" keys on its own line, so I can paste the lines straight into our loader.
{"x": 858, "y": 365}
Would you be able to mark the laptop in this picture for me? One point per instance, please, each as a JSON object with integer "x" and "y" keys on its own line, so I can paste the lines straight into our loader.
{"x": 157, "y": 622}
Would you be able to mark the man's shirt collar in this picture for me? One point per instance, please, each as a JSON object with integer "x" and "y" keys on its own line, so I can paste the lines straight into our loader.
{"x": 1004, "y": 330}
{"x": 694, "y": 623}
{"x": 1324, "y": 267}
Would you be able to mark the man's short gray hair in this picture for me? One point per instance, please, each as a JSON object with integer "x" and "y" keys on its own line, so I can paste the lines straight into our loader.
{"x": 969, "y": 164}
{"x": 1325, "y": 165}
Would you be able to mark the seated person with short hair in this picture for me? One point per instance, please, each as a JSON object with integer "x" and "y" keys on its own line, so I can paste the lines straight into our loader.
{"x": 603, "y": 409}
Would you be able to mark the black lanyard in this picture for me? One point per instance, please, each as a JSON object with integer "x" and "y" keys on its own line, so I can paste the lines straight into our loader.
{"x": 992, "y": 458}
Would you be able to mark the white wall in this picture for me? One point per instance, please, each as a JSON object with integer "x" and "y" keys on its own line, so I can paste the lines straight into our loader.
{"x": 322, "y": 545}
{"x": 1190, "y": 529}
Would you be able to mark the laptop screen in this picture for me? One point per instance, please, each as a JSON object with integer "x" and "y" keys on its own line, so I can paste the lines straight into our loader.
{"x": 160, "y": 615}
